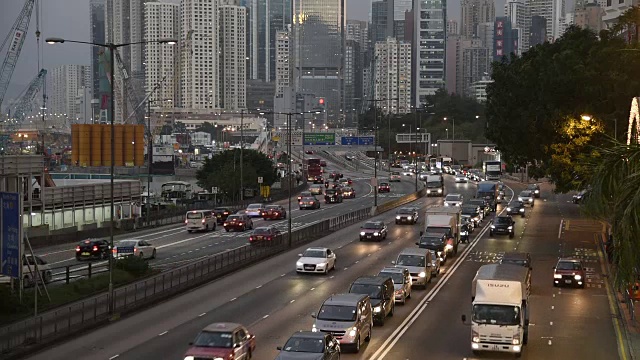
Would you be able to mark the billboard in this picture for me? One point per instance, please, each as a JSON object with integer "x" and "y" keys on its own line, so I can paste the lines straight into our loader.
{"x": 11, "y": 235}
{"x": 320, "y": 138}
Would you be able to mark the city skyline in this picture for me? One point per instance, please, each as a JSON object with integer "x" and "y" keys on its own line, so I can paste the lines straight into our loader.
{"x": 72, "y": 20}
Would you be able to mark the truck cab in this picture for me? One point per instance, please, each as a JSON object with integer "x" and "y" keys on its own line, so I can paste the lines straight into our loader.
{"x": 488, "y": 190}
{"x": 447, "y": 220}
{"x": 500, "y": 311}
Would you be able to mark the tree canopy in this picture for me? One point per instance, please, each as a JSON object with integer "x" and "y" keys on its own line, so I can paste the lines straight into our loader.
{"x": 223, "y": 171}
{"x": 536, "y": 103}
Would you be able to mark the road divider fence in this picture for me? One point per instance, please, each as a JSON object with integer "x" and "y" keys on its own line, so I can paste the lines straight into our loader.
{"x": 28, "y": 335}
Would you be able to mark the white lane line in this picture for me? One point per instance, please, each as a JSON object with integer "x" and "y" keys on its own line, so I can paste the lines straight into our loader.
{"x": 266, "y": 316}
{"x": 292, "y": 301}
{"x": 181, "y": 241}
{"x": 413, "y": 316}
{"x": 114, "y": 356}
{"x": 234, "y": 299}
{"x": 258, "y": 287}
{"x": 560, "y": 228}
{"x": 203, "y": 314}
{"x": 283, "y": 275}
{"x": 312, "y": 289}
{"x": 162, "y": 333}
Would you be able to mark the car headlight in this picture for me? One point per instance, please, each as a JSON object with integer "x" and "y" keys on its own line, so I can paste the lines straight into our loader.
{"x": 299, "y": 263}
{"x": 422, "y": 274}
{"x": 476, "y": 219}
{"x": 439, "y": 191}
{"x": 314, "y": 328}
{"x": 448, "y": 246}
{"x": 377, "y": 309}
{"x": 475, "y": 339}
{"x": 398, "y": 217}
{"x": 515, "y": 342}
{"x": 439, "y": 253}
{"x": 508, "y": 209}
{"x": 493, "y": 226}
{"x": 362, "y": 233}
{"x": 188, "y": 358}
{"x": 321, "y": 264}
{"x": 376, "y": 233}
{"x": 578, "y": 277}
{"x": 428, "y": 191}
{"x": 530, "y": 200}
{"x": 557, "y": 276}
{"x": 409, "y": 218}
{"x": 510, "y": 228}
{"x": 519, "y": 198}
{"x": 463, "y": 233}
{"x": 521, "y": 210}
{"x": 458, "y": 204}
{"x": 446, "y": 204}
{"x": 353, "y": 332}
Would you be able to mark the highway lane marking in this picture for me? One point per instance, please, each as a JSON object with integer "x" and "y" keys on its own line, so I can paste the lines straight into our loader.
{"x": 413, "y": 316}
{"x": 292, "y": 301}
{"x": 312, "y": 289}
{"x": 114, "y": 356}
{"x": 560, "y": 229}
{"x": 163, "y": 333}
{"x": 266, "y": 316}
{"x": 283, "y": 275}
{"x": 258, "y": 287}
{"x": 234, "y": 299}
{"x": 203, "y": 314}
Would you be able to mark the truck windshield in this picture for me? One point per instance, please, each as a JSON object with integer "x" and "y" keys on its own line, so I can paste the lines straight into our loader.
{"x": 434, "y": 184}
{"x": 337, "y": 313}
{"x": 496, "y": 314}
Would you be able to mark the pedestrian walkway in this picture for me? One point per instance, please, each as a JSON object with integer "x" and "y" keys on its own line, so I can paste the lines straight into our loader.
{"x": 629, "y": 311}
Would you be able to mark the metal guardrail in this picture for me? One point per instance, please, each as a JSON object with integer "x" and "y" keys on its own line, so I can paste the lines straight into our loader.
{"x": 27, "y": 335}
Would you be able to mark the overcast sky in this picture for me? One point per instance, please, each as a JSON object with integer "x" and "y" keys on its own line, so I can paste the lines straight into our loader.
{"x": 70, "y": 19}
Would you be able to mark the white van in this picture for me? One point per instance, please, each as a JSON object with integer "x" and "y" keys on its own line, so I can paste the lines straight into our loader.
{"x": 197, "y": 220}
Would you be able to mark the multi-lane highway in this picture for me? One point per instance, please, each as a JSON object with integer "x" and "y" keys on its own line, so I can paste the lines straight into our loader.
{"x": 175, "y": 246}
{"x": 274, "y": 301}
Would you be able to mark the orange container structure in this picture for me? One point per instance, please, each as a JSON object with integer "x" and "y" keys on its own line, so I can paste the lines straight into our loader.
{"x": 96, "y": 145}
{"x": 129, "y": 144}
{"x": 119, "y": 144}
{"x": 106, "y": 144}
{"x": 139, "y": 148}
{"x": 84, "y": 157}
{"x": 75, "y": 143}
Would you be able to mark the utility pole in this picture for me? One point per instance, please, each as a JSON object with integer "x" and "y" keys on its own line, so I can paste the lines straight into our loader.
{"x": 150, "y": 160}
{"x": 241, "y": 154}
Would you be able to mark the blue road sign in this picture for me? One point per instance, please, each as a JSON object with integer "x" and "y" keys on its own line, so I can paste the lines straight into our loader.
{"x": 10, "y": 240}
{"x": 349, "y": 140}
{"x": 365, "y": 140}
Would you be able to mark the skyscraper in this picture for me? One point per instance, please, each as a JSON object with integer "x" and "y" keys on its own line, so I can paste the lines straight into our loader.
{"x": 199, "y": 80}
{"x": 161, "y": 21}
{"x": 505, "y": 39}
{"x": 475, "y": 12}
{"x": 552, "y": 11}
{"x": 472, "y": 64}
{"x": 97, "y": 28}
{"x": 283, "y": 61}
{"x": 400, "y": 7}
{"x": 136, "y": 34}
{"x": 538, "y": 31}
{"x": 65, "y": 81}
{"x": 429, "y": 56}
{"x": 232, "y": 70}
{"x": 266, "y": 18}
{"x": 518, "y": 13}
{"x": 118, "y": 31}
{"x": 393, "y": 76}
{"x": 381, "y": 20}
{"x": 319, "y": 40}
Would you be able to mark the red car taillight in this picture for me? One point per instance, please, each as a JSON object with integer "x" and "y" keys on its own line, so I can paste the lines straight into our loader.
{"x": 95, "y": 248}
{"x": 269, "y": 238}
{"x": 250, "y": 238}
{"x": 77, "y": 248}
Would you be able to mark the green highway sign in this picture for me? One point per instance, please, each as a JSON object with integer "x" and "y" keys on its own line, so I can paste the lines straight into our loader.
{"x": 320, "y": 138}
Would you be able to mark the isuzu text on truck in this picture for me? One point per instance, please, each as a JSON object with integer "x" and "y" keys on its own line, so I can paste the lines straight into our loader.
{"x": 500, "y": 309}
{"x": 447, "y": 220}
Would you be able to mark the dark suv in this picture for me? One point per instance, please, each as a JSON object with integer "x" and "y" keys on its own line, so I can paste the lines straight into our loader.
{"x": 516, "y": 207}
{"x": 381, "y": 292}
{"x": 435, "y": 242}
{"x": 535, "y": 189}
{"x": 333, "y": 196}
{"x": 502, "y": 225}
{"x": 373, "y": 230}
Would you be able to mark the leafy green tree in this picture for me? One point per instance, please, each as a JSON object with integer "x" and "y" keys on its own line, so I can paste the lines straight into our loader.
{"x": 223, "y": 171}
{"x": 534, "y": 96}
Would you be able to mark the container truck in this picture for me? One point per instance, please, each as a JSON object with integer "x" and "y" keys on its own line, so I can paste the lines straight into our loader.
{"x": 488, "y": 190}
{"x": 500, "y": 309}
{"x": 314, "y": 169}
{"x": 447, "y": 220}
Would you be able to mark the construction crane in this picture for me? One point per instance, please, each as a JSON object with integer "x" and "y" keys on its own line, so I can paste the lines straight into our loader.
{"x": 15, "y": 40}
{"x": 24, "y": 106}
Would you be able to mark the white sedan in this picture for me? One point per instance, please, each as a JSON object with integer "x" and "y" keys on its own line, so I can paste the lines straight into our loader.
{"x": 316, "y": 260}
{"x": 453, "y": 200}
{"x": 460, "y": 177}
{"x": 134, "y": 247}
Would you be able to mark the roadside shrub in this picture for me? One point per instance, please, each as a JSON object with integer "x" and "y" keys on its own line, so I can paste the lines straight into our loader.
{"x": 133, "y": 265}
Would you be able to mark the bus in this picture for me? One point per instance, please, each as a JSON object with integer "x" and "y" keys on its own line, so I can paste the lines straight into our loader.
{"x": 314, "y": 168}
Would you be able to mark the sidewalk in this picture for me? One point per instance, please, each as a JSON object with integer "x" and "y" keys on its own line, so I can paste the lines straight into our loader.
{"x": 630, "y": 323}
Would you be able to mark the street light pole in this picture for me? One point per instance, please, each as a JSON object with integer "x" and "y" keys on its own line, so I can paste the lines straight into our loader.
{"x": 289, "y": 244}
{"x": 375, "y": 158}
{"x": 150, "y": 161}
{"x": 112, "y": 48}
{"x": 241, "y": 154}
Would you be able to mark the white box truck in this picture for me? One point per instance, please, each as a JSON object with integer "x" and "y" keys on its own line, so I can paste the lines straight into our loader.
{"x": 500, "y": 309}
{"x": 435, "y": 185}
{"x": 441, "y": 219}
